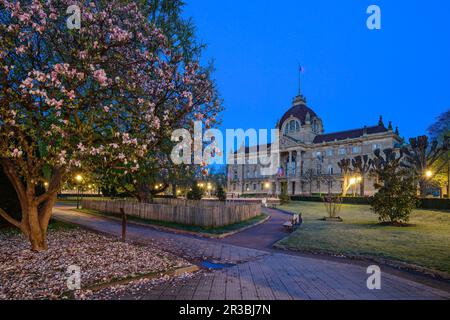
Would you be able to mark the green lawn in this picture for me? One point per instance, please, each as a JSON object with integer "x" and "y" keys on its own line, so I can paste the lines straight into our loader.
{"x": 426, "y": 244}
{"x": 173, "y": 225}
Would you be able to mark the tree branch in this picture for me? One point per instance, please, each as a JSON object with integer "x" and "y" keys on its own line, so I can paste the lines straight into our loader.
{"x": 10, "y": 219}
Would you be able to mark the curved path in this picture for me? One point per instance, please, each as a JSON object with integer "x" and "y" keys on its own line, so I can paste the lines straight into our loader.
{"x": 258, "y": 272}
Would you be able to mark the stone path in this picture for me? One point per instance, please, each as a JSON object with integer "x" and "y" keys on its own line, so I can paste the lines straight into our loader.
{"x": 258, "y": 272}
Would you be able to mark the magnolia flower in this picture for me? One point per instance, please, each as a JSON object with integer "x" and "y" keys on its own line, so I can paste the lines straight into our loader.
{"x": 100, "y": 76}
{"x": 71, "y": 95}
{"x": 83, "y": 55}
{"x": 21, "y": 49}
{"x": 16, "y": 153}
{"x": 81, "y": 147}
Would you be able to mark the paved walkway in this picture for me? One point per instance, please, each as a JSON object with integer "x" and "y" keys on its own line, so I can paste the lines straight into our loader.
{"x": 258, "y": 273}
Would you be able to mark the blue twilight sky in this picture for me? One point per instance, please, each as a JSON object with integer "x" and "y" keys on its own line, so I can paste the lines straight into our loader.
{"x": 352, "y": 74}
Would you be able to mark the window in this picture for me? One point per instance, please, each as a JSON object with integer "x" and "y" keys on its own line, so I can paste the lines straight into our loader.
{"x": 234, "y": 187}
{"x": 235, "y": 175}
{"x": 330, "y": 169}
{"x": 342, "y": 151}
{"x": 292, "y": 126}
{"x": 376, "y": 146}
{"x": 356, "y": 149}
{"x": 319, "y": 168}
{"x": 318, "y": 154}
{"x": 254, "y": 186}
{"x": 330, "y": 152}
{"x": 315, "y": 126}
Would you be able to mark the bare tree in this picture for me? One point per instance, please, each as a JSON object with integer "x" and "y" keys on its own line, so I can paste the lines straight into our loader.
{"x": 309, "y": 177}
{"x": 421, "y": 155}
{"x": 346, "y": 170}
{"x": 328, "y": 180}
{"x": 361, "y": 165}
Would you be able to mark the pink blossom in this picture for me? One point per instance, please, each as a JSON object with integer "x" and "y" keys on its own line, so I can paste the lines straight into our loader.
{"x": 24, "y": 17}
{"x": 100, "y": 76}
{"x": 21, "y": 49}
{"x": 16, "y": 153}
{"x": 83, "y": 55}
{"x": 81, "y": 147}
{"x": 71, "y": 95}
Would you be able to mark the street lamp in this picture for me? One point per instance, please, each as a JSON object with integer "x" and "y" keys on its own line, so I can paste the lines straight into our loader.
{"x": 79, "y": 179}
{"x": 428, "y": 174}
{"x": 209, "y": 189}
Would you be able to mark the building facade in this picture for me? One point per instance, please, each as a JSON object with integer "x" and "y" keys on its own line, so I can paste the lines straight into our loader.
{"x": 309, "y": 157}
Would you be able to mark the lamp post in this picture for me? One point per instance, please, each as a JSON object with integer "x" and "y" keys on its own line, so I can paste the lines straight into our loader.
{"x": 267, "y": 187}
{"x": 79, "y": 179}
{"x": 209, "y": 189}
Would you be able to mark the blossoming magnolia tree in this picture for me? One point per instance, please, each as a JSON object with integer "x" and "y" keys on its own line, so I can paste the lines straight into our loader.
{"x": 72, "y": 99}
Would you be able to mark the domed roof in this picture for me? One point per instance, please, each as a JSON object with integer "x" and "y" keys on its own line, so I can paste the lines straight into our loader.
{"x": 298, "y": 110}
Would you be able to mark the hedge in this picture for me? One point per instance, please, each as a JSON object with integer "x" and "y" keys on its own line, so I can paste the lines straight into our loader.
{"x": 425, "y": 203}
{"x": 348, "y": 200}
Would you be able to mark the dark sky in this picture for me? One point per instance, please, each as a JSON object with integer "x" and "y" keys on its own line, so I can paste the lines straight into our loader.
{"x": 352, "y": 74}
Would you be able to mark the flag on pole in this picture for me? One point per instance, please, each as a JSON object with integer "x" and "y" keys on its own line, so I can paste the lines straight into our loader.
{"x": 301, "y": 69}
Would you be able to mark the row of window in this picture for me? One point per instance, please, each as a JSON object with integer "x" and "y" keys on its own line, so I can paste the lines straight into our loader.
{"x": 343, "y": 151}
{"x": 294, "y": 126}
{"x": 255, "y": 186}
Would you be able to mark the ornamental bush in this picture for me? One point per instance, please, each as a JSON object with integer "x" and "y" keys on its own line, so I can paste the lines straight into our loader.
{"x": 396, "y": 196}
{"x": 196, "y": 193}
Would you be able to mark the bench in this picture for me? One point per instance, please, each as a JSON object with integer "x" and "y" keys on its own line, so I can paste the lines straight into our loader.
{"x": 294, "y": 223}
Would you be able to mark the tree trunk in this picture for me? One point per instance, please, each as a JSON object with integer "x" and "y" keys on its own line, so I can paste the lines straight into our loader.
{"x": 361, "y": 187}
{"x": 422, "y": 187}
{"x": 144, "y": 197}
{"x": 38, "y": 220}
{"x": 174, "y": 190}
{"x": 36, "y": 208}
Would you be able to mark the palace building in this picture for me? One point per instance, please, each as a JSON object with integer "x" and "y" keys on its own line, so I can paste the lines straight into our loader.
{"x": 309, "y": 157}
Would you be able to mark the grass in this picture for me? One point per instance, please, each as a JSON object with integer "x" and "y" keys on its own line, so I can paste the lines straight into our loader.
{"x": 426, "y": 243}
{"x": 54, "y": 225}
{"x": 178, "y": 226}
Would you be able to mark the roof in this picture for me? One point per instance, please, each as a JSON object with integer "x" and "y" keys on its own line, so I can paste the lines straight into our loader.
{"x": 299, "y": 110}
{"x": 349, "y": 134}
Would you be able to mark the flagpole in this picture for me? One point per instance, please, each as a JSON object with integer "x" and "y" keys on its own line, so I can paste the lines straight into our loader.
{"x": 299, "y": 79}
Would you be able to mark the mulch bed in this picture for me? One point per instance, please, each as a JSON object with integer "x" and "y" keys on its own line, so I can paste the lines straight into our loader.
{"x": 25, "y": 274}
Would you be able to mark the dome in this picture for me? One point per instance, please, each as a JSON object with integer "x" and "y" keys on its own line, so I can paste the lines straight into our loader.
{"x": 298, "y": 110}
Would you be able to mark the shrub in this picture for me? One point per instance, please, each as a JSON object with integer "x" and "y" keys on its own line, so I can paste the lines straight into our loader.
{"x": 333, "y": 205}
{"x": 196, "y": 193}
{"x": 220, "y": 193}
{"x": 396, "y": 196}
{"x": 284, "y": 197}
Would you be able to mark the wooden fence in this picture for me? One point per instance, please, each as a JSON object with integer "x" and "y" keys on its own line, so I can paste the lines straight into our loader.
{"x": 196, "y": 213}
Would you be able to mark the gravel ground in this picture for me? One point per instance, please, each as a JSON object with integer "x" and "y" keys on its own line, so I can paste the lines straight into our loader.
{"x": 25, "y": 274}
